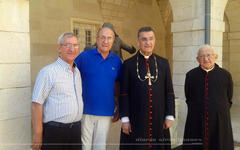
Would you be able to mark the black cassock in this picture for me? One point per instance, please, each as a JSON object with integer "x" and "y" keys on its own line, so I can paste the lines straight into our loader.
{"x": 146, "y": 105}
{"x": 208, "y": 97}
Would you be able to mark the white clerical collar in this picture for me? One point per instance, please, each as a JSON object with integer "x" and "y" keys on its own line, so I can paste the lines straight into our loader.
{"x": 207, "y": 70}
{"x": 146, "y": 57}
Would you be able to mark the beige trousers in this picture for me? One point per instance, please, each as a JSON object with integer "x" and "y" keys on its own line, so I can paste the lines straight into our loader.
{"x": 95, "y": 131}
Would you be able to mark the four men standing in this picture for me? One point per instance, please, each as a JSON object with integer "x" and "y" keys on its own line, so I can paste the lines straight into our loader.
{"x": 147, "y": 106}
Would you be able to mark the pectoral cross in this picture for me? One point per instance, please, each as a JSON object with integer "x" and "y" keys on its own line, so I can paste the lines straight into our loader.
{"x": 149, "y": 77}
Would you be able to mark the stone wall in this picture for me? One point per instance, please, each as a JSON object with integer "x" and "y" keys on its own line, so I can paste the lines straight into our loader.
{"x": 15, "y": 86}
{"x": 49, "y": 19}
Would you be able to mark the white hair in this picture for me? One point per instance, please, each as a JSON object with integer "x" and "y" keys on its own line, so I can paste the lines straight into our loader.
{"x": 206, "y": 46}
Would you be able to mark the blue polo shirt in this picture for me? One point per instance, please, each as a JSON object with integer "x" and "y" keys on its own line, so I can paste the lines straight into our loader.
{"x": 98, "y": 81}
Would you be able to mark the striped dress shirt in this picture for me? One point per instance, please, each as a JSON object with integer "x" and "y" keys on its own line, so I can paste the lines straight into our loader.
{"x": 59, "y": 91}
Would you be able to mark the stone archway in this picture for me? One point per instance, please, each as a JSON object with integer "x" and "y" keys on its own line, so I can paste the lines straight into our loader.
{"x": 231, "y": 55}
{"x": 231, "y": 44}
{"x": 128, "y": 16}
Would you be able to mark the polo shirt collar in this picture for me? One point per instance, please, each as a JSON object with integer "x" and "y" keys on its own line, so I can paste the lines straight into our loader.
{"x": 96, "y": 52}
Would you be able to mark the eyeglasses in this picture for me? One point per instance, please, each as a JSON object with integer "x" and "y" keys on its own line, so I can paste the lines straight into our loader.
{"x": 206, "y": 56}
{"x": 146, "y": 39}
{"x": 69, "y": 45}
{"x": 108, "y": 39}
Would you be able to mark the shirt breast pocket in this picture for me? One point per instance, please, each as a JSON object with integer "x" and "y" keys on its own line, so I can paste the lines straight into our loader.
{"x": 63, "y": 89}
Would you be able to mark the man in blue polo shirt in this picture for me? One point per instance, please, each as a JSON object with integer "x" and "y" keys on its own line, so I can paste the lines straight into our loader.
{"x": 100, "y": 70}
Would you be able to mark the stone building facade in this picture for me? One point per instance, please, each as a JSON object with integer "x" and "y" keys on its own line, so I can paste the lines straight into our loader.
{"x": 28, "y": 38}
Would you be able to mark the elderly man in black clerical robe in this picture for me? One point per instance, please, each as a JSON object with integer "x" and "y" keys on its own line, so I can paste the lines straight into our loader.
{"x": 146, "y": 105}
{"x": 208, "y": 90}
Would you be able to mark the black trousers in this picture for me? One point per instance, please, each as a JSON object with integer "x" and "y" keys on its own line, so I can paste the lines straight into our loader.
{"x": 59, "y": 136}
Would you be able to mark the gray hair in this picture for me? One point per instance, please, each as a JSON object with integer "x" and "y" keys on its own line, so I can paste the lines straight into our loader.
{"x": 103, "y": 27}
{"x": 66, "y": 34}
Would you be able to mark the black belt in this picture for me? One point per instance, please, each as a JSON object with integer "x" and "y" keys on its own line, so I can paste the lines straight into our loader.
{"x": 62, "y": 125}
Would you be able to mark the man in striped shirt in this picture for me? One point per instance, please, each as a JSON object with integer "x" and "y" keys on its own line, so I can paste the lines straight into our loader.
{"x": 57, "y": 100}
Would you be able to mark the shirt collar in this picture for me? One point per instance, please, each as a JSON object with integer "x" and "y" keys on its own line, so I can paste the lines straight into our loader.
{"x": 65, "y": 64}
{"x": 146, "y": 57}
{"x": 96, "y": 52}
{"x": 207, "y": 70}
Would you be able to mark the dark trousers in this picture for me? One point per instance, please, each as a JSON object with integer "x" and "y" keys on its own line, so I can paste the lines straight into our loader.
{"x": 59, "y": 136}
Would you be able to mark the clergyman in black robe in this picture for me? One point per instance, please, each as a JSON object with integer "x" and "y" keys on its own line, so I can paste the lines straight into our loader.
{"x": 146, "y": 104}
{"x": 208, "y": 91}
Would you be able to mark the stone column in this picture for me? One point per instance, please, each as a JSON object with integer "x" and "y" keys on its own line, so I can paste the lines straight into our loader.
{"x": 15, "y": 90}
{"x": 188, "y": 35}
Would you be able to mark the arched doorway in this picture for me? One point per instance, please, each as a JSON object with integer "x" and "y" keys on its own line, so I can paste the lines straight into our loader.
{"x": 231, "y": 51}
{"x": 231, "y": 55}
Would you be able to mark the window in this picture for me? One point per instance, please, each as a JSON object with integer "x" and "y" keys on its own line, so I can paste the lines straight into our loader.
{"x": 76, "y": 31}
{"x": 88, "y": 36}
{"x": 86, "y": 30}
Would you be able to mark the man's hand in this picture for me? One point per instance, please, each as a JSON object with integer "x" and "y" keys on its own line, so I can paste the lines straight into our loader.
{"x": 116, "y": 116}
{"x": 167, "y": 124}
{"x": 116, "y": 100}
{"x": 36, "y": 142}
{"x": 126, "y": 128}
